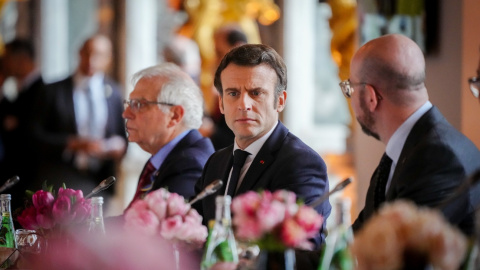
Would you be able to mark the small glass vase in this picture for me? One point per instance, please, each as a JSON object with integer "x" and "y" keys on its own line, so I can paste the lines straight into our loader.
{"x": 276, "y": 260}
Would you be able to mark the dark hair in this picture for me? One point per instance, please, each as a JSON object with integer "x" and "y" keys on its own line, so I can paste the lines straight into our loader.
{"x": 253, "y": 55}
{"x": 18, "y": 46}
{"x": 235, "y": 36}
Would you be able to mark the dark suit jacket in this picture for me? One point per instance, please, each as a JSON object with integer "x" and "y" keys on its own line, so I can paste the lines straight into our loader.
{"x": 434, "y": 161}
{"x": 183, "y": 166}
{"x": 283, "y": 162}
{"x": 55, "y": 123}
{"x": 18, "y": 141}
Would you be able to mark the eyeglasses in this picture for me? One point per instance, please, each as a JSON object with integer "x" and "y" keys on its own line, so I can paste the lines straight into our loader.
{"x": 137, "y": 104}
{"x": 474, "y": 83}
{"x": 347, "y": 88}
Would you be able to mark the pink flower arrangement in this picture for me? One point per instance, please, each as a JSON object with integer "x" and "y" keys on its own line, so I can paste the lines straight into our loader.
{"x": 274, "y": 221}
{"x": 49, "y": 213}
{"x": 401, "y": 230}
{"x": 167, "y": 215}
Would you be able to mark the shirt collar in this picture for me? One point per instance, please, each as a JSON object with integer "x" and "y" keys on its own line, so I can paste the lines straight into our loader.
{"x": 255, "y": 147}
{"x": 158, "y": 159}
{"x": 83, "y": 82}
{"x": 396, "y": 142}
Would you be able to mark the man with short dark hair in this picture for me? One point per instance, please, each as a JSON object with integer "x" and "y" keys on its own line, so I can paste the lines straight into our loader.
{"x": 251, "y": 81}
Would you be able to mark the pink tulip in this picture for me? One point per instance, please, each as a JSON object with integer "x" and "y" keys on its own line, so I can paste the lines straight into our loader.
{"x": 77, "y": 194}
{"x": 309, "y": 220}
{"x": 140, "y": 219}
{"x": 44, "y": 218}
{"x": 28, "y": 218}
{"x": 157, "y": 202}
{"x": 42, "y": 199}
{"x": 247, "y": 229}
{"x": 170, "y": 227}
{"x": 285, "y": 196}
{"x": 82, "y": 210}
{"x": 270, "y": 215}
{"x": 61, "y": 210}
{"x": 176, "y": 205}
{"x": 292, "y": 234}
{"x": 246, "y": 203}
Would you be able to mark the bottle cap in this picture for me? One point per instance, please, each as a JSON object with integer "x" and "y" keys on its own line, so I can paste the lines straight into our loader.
{"x": 5, "y": 196}
{"x": 98, "y": 199}
{"x": 225, "y": 199}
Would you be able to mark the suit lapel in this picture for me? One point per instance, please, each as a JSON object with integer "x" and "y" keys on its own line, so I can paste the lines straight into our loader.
{"x": 264, "y": 158}
{"x": 189, "y": 139}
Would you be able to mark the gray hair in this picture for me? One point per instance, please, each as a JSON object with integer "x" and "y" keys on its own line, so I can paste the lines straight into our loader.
{"x": 178, "y": 89}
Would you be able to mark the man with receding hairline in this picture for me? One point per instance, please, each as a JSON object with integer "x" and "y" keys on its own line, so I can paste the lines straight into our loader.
{"x": 426, "y": 158}
{"x": 79, "y": 126}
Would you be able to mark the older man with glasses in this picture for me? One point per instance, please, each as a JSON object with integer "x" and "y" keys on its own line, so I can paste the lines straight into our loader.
{"x": 426, "y": 158}
{"x": 162, "y": 116}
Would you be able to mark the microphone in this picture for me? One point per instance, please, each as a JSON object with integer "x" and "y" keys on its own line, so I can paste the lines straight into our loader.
{"x": 102, "y": 186}
{"x": 325, "y": 196}
{"x": 208, "y": 190}
{"x": 9, "y": 183}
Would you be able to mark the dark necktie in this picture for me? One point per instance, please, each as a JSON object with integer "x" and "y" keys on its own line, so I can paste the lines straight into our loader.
{"x": 145, "y": 183}
{"x": 239, "y": 157}
{"x": 381, "y": 179}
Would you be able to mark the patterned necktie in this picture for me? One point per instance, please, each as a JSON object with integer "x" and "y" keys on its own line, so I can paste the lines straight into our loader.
{"x": 381, "y": 179}
{"x": 239, "y": 157}
{"x": 145, "y": 183}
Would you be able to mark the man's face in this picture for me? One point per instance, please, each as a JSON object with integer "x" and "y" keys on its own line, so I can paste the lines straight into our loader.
{"x": 359, "y": 106}
{"x": 95, "y": 56}
{"x": 147, "y": 126}
{"x": 248, "y": 101}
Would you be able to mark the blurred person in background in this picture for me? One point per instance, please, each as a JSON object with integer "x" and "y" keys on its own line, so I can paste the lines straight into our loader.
{"x": 16, "y": 118}
{"x": 79, "y": 126}
{"x": 162, "y": 116}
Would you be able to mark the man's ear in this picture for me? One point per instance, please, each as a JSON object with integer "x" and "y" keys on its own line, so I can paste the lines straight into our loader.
{"x": 371, "y": 97}
{"x": 176, "y": 115}
{"x": 220, "y": 104}
{"x": 282, "y": 98}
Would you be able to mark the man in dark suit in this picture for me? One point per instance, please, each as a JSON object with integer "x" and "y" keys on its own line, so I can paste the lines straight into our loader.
{"x": 426, "y": 158}
{"x": 16, "y": 116}
{"x": 251, "y": 81}
{"x": 162, "y": 116}
{"x": 79, "y": 126}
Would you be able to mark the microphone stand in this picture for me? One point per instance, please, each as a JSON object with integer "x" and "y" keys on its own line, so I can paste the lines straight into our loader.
{"x": 208, "y": 190}
{"x": 102, "y": 186}
{"x": 325, "y": 196}
{"x": 9, "y": 183}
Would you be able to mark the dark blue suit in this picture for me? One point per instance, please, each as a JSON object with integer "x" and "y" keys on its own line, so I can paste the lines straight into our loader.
{"x": 56, "y": 122}
{"x": 283, "y": 162}
{"x": 435, "y": 160}
{"x": 184, "y": 164}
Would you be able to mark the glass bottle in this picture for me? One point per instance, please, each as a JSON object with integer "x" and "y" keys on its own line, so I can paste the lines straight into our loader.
{"x": 96, "y": 224}
{"x": 221, "y": 245}
{"x": 7, "y": 231}
{"x": 336, "y": 253}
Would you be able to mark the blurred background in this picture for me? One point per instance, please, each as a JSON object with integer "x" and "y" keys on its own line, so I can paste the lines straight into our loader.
{"x": 316, "y": 39}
